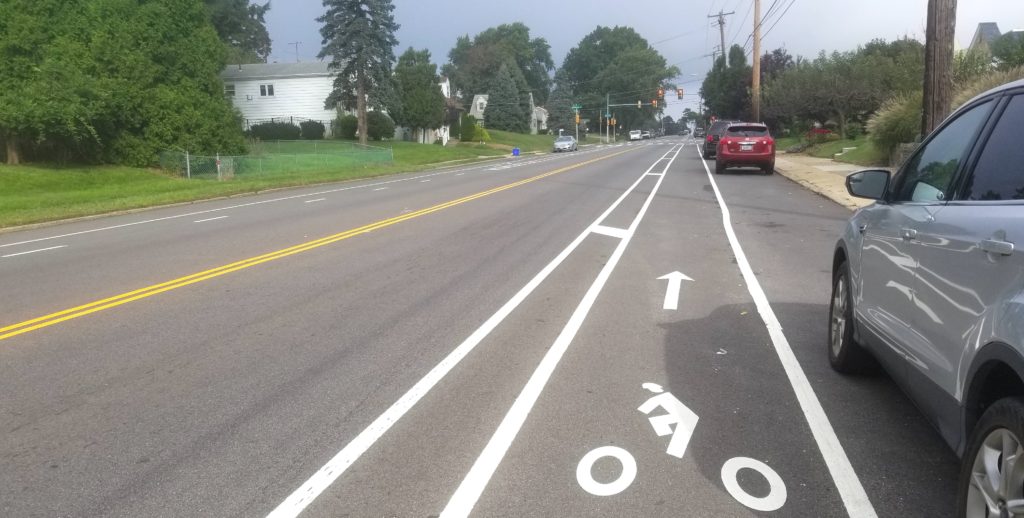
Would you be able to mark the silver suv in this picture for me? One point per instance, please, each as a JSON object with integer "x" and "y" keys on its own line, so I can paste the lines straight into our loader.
{"x": 929, "y": 281}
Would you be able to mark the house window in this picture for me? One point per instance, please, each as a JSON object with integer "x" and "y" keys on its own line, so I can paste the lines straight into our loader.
{"x": 229, "y": 90}
{"x": 480, "y": 106}
{"x": 266, "y": 90}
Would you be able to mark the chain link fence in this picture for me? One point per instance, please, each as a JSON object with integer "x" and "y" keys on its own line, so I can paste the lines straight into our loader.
{"x": 276, "y": 158}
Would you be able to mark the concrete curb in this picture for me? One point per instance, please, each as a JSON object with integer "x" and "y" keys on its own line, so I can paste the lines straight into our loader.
{"x": 830, "y": 186}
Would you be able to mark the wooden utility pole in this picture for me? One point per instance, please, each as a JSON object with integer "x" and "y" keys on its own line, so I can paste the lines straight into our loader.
{"x": 755, "y": 94}
{"x": 938, "y": 63}
{"x": 721, "y": 28}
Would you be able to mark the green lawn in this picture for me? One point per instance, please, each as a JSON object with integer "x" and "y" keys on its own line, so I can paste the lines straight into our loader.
{"x": 31, "y": 194}
{"x": 865, "y": 153}
{"x": 525, "y": 143}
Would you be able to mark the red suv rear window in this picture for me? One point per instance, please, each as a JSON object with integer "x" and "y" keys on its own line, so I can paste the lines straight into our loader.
{"x": 747, "y": 131}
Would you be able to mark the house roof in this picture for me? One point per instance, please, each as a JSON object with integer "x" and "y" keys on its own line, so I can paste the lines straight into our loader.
{"x": 275, "y": 71}
{"x": 986, "y": 33}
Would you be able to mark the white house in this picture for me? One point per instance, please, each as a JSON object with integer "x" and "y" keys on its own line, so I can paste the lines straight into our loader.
{"x": 478, "y": 107}
{"x": 538, "y": 115}
{"x": 280, "y": 91}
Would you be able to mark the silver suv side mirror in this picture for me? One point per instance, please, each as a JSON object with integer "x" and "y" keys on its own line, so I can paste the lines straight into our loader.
{"x": 870, "y": 183}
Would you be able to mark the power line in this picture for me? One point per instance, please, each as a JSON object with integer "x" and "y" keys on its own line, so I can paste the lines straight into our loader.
{"x": 779, "y": 18}
{"x": 739, "y": 27}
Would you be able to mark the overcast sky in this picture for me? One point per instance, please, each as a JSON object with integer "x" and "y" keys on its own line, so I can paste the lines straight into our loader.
{"x": 679, "y": 29}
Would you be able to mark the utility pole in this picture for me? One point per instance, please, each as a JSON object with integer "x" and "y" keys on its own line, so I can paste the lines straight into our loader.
{"x": 296, "y": 45}
{"x": 938, "y": 63}
{"x": 721, "y": 26}
{"x": 755, "y": 94}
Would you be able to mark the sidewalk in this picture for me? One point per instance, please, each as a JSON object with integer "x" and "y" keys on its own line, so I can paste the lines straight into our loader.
{"x": 821, "y": 175}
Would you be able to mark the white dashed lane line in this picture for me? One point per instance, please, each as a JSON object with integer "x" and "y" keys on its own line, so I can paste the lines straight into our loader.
{"x": 32, "y": 251}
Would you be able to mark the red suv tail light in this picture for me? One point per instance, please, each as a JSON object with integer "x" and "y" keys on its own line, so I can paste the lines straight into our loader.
{"x": 710, "y": 138}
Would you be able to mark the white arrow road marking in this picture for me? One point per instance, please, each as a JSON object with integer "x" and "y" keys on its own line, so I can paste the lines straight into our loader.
{"x": 675, "y": 280}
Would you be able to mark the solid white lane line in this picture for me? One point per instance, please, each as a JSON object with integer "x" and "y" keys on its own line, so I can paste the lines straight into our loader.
{"x": 609, "y": 231}
{"x": 209, "y": 219}
{"x": 316, "y": 200}
{"x": 337, "y": 465}
{"x": 424, "y": 181}
{"x": 32, "y": 251}
{"x": 850, "y": 489}
{"x": 472, "y": 486}
{"x": 380, "y": 189}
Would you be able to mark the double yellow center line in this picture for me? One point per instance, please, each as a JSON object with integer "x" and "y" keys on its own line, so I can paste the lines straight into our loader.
{"x": 149, "y": 291}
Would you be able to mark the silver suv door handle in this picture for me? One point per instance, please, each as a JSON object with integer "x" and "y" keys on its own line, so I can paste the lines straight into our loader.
{"x": 908, "y": 234}
{"x": 993, "y": 246}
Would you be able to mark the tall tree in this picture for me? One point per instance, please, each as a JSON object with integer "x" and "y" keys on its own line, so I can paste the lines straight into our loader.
{"x": 504, "y": 109}
{"x": 243, "y": 28}
{"x": 560, "y": 114}
{"x": 726, "y": 89}
{"x": 423, "y": 105}
{"x": 111, "y": 80}
{"x": 1008, "y": 50}
{"x": 474, "y": 62}
{"x": 617, "y": 64}
{"x": 358, "y": 38}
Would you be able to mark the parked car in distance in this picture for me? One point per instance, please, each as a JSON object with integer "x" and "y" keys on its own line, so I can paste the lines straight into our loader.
{"x": 929, "y": 281}
{"x": 635, "y": 135}
{"x": 745, "y": 144}
{"x": 564, "y": 143}
{"x": 698, "y": 132}
{"x": 646, "y": 135}
{"x": 714, "y": 133}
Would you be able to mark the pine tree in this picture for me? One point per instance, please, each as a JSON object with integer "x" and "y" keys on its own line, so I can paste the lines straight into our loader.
{"x": 423, "y": 104}
{"x": 560, "y": 113}
{"x": 504, "y": 107}
{"x": 358, "y": 37}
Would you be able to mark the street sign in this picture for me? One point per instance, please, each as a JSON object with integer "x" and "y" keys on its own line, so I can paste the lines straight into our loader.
{"x": 577, "y": 106}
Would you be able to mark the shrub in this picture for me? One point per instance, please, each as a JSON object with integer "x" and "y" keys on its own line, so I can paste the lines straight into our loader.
{"x": 312, "y": 130}
{"x": 379, "y": 126}
{"x": 985, "y": 83}
{"x": 481, "y": 135}
{"x": 898, "y": 121}
{"x": 468, "y": 125}
{"x": 345, "y": 127}
{"x": 275, "y": 131}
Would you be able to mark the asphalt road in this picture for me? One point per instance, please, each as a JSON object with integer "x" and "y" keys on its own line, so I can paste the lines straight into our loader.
{"x": 565, "y": 335}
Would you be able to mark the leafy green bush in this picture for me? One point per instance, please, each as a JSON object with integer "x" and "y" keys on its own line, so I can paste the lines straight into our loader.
{"x": 379, "y": 126}
{"x": 468, "y": 125}
{"x": 275, "y": 131}
{"x": 898, "y": 121}
{"x": 481, "y": 135}
{"x": 312, "y": 130}
{"x": 345, "y": 127}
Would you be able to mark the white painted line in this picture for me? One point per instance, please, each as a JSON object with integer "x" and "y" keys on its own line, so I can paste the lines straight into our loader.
{"x": 460, "y": 174}
{"x": 655, "y": 174}
{"x": 209, "y": 219}
{"x": 380, "y": 189}
{"x": 675, "y": 281}
{"x": 314, "y": 201}
{"x": 472, "y": 486}
{"x": 424, "y": 181}
{"x": 850, "y": 489}
{"x": 609, "y": 231}
{"x": 32, "y": 251}
{"x": 340, "y": 462}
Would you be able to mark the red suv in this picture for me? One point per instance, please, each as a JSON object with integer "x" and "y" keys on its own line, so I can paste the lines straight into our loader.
{"x": 746, "y": 144}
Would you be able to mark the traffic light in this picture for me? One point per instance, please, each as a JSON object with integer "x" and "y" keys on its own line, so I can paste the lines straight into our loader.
{"x": 654, "y": 103}
{"x": 661, "y": 93}
{"x": 679, "y": 93}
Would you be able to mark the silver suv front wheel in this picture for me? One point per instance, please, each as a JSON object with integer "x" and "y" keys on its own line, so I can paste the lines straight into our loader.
{"x": 992, "y": 479}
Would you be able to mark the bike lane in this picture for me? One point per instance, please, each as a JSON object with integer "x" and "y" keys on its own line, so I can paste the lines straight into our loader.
{"x": 638, "y": 378}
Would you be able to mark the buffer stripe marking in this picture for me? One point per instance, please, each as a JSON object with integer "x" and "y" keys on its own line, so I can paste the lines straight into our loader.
{"x": 609, "y": 231}
{"x": 209, "y": 219}
{"x": 148, "y": 291}
{"x": 850, "y": 489}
